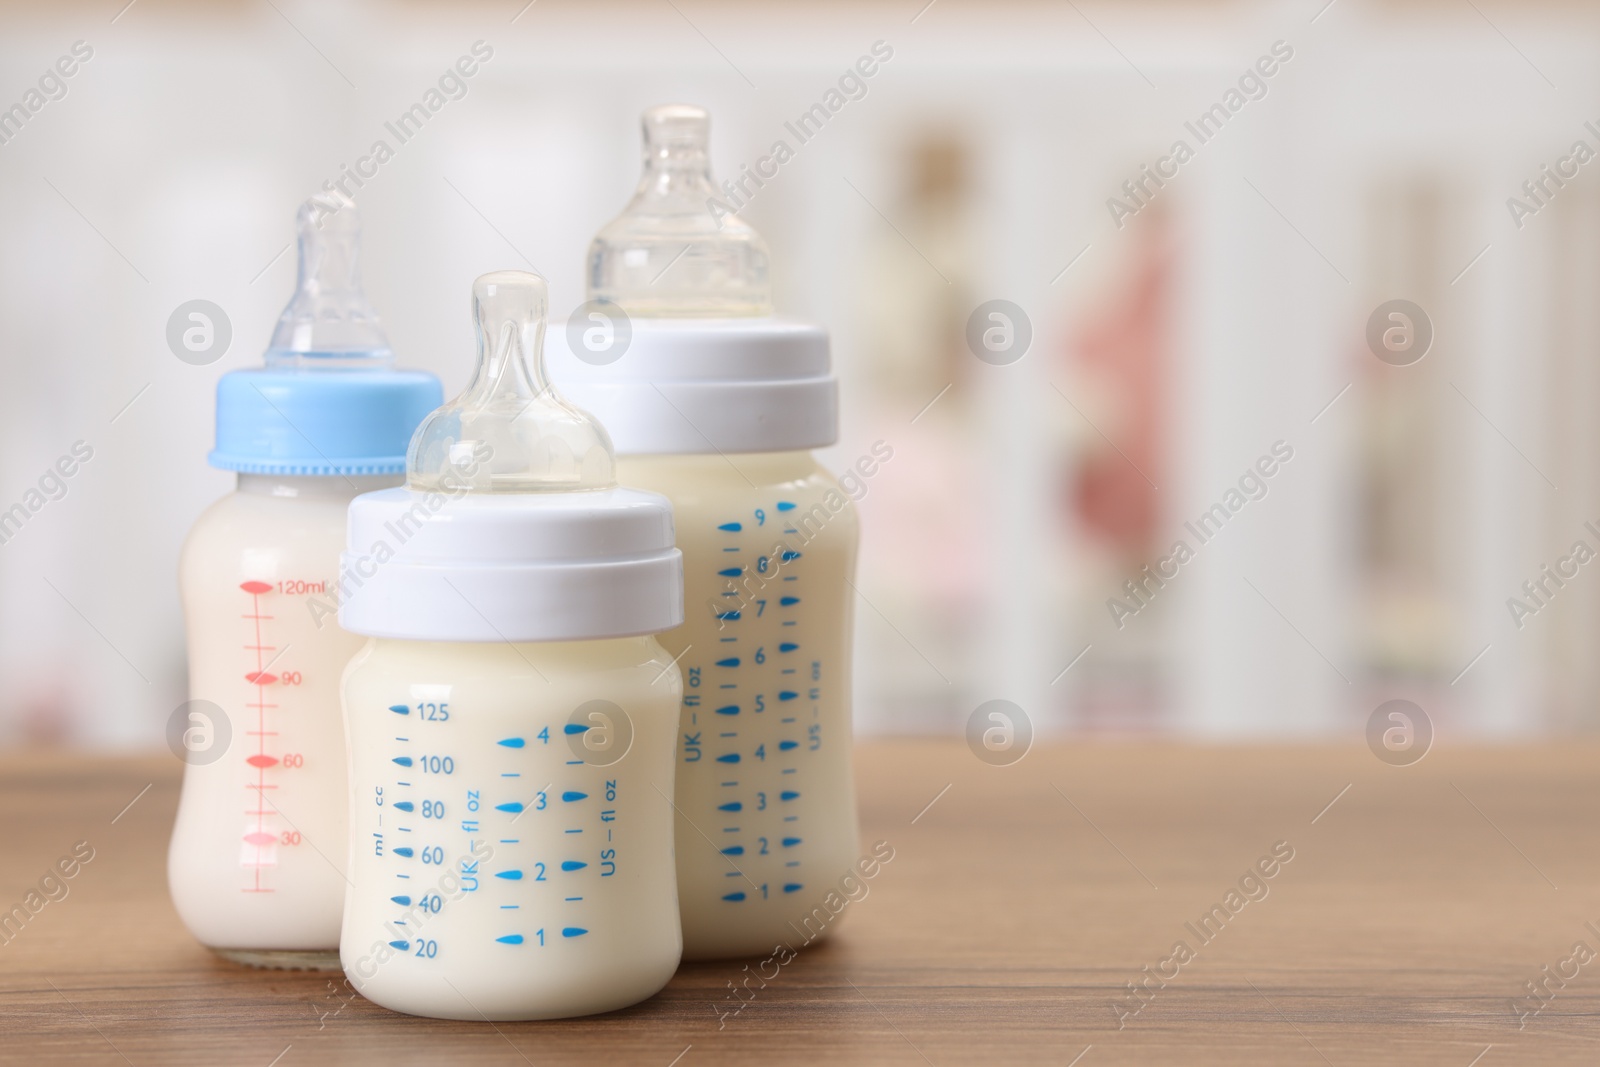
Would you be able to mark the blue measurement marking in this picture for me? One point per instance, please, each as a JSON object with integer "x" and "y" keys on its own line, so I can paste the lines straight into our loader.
{"x": 399, "y": 709}
{"x": 400, "y": 922}
{"x": 725, "y": 640}
{"x": 731, "y": 709}
{"x": 401, "y": 945}
{"x": 406, "y": 852}
{"x": 731, "y": 572}
{"x": 728, "y": 616}
{"x": 513, "y": 807}
{"x": 785, "y": 746}
{"x": 791, "y": 818}
{"x": 406, "y": 805}
{"x": 727, "y": 685}
{"x": 788, "y": 646}
{"x": 573, "y": 931}
{"x": 787, "y": 694}
{"x": 509, "y": 774}
{"x": 733, "y": 850}
{"x": 731, "y": 806}
{"x": 512, "y": 742}
{"x": 404, "y": 902}
{"x": 787, "y": 601}
{"x": 792, "y": 887}
{"x": 571, "y": 899}
{"x": 572, "y": 794}
{"x": 732, "y": 757}
{"x": 735, "y": 897}
{"x": 510, "y": 907}
{"x": 404, "y": 761}
{"x": 788, "y": 770}
{"x": 574, "y": 728}
{"x": 730, "y": 829}
{"x": 784, "y": 505}
{"x": 788, "y": 794}
{"x": 789, "y": 718}
{"x": 573, "y": 865}
{"x": 405, "y": 829}
{"x": 731, "y": 527}
{"x": 510, "y": 939}
{"x": 789, "y": 578}
{"x": 579, "y": 831}
{"x": 402, "y": 739}
{"x": 731, "y": 661}
{"x": 512, "y": 840}
{"x": 570, "y": 762}
{"x": 730, "y": 550}
{"x": 729, "y": 733}
{"x": 733, "y": 874}
{"x": 510, "y": 876}
{"x": 790, "y": 842}
{"x": 730, "y": 784}
{"x": 407, "y": 877}
{"x": 733, "y": 594}
{"x": 787, "y": 670}
{"x": 789, "y": 622}
{"x": 792, "y": 863}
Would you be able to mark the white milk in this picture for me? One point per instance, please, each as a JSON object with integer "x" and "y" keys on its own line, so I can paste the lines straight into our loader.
{"x": 257, "y": 859}
{"x": 766, "y": 801}
{"x": 503, "y": 866}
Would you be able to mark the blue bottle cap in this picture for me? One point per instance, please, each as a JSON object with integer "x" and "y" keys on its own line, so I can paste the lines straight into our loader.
{"x": 320, "y": 422}
{"x": 327, "y": 401}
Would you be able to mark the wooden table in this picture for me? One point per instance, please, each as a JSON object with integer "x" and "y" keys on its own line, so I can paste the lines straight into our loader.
{"x": 1020, "y": 903}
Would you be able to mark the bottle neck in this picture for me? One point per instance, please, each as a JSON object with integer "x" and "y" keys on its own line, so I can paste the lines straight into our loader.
{"x": 316, "y": 486}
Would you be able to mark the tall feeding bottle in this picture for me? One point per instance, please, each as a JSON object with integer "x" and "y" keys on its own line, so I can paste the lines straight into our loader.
{"x": 511, "y": 721}
{"x": 715, "y": 403}
{"x": 257, "y": 859}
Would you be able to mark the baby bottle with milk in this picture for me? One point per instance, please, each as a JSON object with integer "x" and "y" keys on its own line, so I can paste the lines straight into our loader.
{"x": 715, "y": 403}
{"x": 257, "y": 859}
{"x": 511, "y": 721}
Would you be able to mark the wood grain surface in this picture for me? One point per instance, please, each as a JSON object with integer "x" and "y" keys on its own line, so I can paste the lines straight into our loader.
{"x": 1017, "y": 909}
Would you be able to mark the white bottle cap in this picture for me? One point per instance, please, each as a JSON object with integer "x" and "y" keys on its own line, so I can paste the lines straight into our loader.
{"x": 510, "y": 526}
{"x": 699, "y": 385}
{"x": 475, "y": 567}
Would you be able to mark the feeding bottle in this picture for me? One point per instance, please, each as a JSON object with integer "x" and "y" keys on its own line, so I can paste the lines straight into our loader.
{"x": 257, "y": 859}
{"x": 511, "y": 721}
{"x": 715, "y": 403}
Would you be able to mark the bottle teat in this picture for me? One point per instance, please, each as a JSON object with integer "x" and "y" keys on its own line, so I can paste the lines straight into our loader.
{"x": 676, "y": 249}
{"x": 508, "y": 431}
{"x": 328, "y": 323}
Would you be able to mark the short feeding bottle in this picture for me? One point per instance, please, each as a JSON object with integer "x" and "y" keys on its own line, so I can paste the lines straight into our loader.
{"x": 715, "y": 403}
{"x": 257, "y": 859}
{"x": 511, "y": 721}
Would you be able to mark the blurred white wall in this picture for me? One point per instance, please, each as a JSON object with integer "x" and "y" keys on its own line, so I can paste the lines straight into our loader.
{"x": 172, "y": 167}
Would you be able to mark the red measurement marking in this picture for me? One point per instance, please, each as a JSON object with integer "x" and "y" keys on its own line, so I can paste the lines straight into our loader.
{"x": 259, "y": 678}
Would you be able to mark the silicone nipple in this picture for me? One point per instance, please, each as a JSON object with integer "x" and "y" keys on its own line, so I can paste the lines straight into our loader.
{"x": 508, "y": 431}
{"x": 677, "y": 249}
{"x": 328, "y": 323}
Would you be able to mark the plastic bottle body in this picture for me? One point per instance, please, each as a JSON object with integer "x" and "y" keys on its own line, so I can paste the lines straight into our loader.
{"x": 765, "y": 795}
{"x": 511, "y": 822}
{"x": 256, "y": 863}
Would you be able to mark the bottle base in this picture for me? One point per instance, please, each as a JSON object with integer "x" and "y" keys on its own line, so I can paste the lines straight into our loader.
{"x": 276, "y": 959}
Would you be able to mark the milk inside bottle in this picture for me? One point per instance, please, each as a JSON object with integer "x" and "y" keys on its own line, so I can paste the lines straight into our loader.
{"x": 256, "y": 863}
{"x": 716, "y": 403}
{"x": 511, "y": 722}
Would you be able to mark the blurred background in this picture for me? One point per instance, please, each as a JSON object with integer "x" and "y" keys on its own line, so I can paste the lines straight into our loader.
{"x": 1176, "y": 339}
